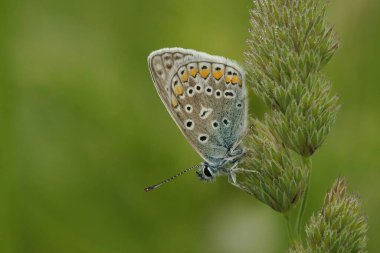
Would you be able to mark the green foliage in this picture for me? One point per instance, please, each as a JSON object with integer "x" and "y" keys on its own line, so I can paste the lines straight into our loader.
{"x": 339, "y": 227}
{"x": 306, "y": 121}
{"x": 278, "y": 178}
{"x": 289, "y": 42}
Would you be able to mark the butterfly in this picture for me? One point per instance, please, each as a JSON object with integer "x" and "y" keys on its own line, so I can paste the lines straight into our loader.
{"x": 207, "y": 98}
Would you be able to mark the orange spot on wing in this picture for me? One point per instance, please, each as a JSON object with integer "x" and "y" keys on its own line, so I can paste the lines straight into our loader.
{"x": 193, "y": 72}
{"x": 235, "y": 79}
{"x": 228, "y": 79}
{"x": 205, "y": 72}
{"x": 218, "y": 74}
{"x": 184, "y": 77}
{"x": 174, "y": 102}
{"x": 178, "y": 90}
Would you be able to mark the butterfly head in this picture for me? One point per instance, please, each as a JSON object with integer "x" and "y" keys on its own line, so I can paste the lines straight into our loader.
{"x": 206, "y": 173}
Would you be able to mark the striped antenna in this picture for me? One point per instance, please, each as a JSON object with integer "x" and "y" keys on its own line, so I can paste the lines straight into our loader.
{"x": 149, "y": 188}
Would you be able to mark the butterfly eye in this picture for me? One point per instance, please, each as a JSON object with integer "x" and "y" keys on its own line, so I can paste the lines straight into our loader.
{"x": 207, "y": 172}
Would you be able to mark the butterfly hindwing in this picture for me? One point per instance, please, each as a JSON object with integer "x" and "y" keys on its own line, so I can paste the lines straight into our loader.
{"x": 206, "y": 97}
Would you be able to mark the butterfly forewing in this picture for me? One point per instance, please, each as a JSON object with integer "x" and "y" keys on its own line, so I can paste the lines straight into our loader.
{"x": 206, "y": 97}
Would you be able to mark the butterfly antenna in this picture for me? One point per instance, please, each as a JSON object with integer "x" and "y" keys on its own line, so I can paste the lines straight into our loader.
{"x": 149, "y": 188}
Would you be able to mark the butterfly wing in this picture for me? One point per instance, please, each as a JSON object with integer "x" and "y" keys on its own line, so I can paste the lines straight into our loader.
{"x": 205, "y": 95}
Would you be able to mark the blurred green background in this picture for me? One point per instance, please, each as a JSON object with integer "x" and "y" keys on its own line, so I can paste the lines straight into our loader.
{"x": 82, "y": 130}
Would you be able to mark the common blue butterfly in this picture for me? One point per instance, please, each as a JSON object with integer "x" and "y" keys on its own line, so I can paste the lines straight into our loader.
{"x": 207, "y": 98}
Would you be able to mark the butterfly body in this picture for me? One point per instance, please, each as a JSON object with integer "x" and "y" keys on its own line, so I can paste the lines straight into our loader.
{"x": 207, "y": 98}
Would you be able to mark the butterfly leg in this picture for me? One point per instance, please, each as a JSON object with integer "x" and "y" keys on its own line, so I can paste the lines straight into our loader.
{"x": 233, "y": 170}
{"x": 232, "y": 178}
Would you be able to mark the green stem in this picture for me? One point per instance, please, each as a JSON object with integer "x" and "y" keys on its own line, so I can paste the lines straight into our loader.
{"x": 289, "y": 228}
{"x": 301, "y": 211}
